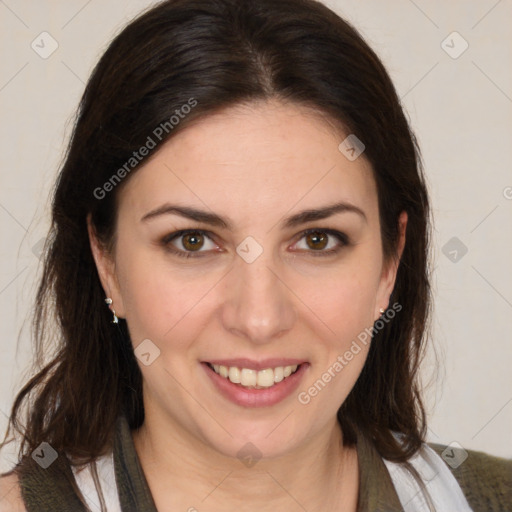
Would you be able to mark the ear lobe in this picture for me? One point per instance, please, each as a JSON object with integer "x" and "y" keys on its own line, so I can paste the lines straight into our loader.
{"x": 389, "y": 273}
{"x": 105, "y": 266}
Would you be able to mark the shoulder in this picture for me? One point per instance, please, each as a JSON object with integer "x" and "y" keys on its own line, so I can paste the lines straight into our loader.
{"x": 485, "y": 480}
{"x": 43, "y": 488}
{"x": 10, "y": 494}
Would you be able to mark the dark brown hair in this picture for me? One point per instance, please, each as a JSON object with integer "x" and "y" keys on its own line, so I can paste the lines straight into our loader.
{"x": 220, "y": 53}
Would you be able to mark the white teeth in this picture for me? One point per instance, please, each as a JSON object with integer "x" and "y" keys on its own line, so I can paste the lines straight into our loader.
{"x": 278, "y": 374}
{"x": 266, "y": 378}
{"x": 248, "y": 377}
{"x": 254, "y": 378}
{"x": 234, "y": 374}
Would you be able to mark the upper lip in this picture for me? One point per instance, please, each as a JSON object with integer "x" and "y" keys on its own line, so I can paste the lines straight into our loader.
{"x": 251, "y": 364}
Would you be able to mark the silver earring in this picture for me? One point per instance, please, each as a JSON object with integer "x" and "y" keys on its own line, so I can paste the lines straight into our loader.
{"x": 108, "y": 302}
{"x": 381, "y": 311}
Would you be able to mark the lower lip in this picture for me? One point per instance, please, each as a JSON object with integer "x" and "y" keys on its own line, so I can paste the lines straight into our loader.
{"x": 264, "y": 397}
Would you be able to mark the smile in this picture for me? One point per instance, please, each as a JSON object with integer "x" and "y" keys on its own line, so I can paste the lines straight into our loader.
{"x": 255, "y": 379}
{"x": 250, "y": 384}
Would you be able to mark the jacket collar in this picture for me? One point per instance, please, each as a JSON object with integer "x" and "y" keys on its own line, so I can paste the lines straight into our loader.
{"x": 376, "y": 489}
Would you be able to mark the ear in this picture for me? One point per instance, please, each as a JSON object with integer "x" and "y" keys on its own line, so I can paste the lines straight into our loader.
{"x": 388, "y": 276}
{"x": 105, "y": 265}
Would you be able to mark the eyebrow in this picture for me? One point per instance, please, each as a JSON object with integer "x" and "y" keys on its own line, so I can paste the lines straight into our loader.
{"x": 217, "y": 221}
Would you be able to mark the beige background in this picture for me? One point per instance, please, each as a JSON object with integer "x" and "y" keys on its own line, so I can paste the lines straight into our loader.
{"x": 460, "y": 108}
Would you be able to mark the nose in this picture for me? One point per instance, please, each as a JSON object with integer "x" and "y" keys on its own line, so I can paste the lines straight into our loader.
{"x": 259, "y": 305}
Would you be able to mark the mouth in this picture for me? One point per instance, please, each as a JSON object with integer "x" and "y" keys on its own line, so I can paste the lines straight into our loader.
{"x": 254, "y": 379}
{"x": 251, "y": 384}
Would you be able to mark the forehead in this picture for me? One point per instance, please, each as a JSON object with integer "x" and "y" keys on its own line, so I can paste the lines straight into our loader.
{"x": 253, "y": 159}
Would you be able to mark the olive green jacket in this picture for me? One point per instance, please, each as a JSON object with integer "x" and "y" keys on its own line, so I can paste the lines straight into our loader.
{"x": 485, "y": 480}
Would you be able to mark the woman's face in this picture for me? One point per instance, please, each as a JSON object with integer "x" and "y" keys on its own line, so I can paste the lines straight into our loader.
{"x": 245, "y": 287}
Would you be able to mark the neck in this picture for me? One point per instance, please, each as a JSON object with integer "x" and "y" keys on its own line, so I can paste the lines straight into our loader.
{"x": 182, "y": 471}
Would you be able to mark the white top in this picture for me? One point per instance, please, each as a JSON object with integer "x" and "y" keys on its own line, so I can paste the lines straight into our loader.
{"x": 107, "y": 478}
{"x": 441, "y": 484}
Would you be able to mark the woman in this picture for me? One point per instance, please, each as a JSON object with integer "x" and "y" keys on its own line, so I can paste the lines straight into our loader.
{"x": 238, "y": 264}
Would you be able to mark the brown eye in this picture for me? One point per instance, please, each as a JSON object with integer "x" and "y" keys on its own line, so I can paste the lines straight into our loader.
{"x": 317, "y": 240}
{"x": 193, "y": 241}
{"x": 322, "y": 242}
{"x": 189, "y": 243}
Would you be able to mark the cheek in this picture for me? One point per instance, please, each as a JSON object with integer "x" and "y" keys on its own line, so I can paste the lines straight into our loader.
{"x": 157, "y": 298}
{"x": 344, "y": 304}
{"x": 344, "y": 299}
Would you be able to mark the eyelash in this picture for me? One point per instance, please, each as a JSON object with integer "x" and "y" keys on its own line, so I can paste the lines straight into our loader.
{"x": 166, "y": 242}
